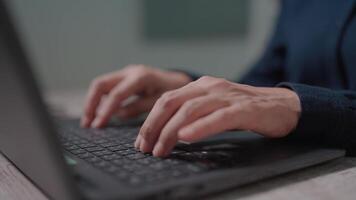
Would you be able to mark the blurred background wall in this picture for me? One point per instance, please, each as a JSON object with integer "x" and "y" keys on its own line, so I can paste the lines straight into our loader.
{"x": 71, "y": 42}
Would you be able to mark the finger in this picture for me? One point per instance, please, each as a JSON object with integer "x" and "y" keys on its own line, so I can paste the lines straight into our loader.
{"x": 189, "y": 112}
{"x": 218, "y": 121}
{"x": 137, "y": 107}
{"x": 121, "y": 92}
{"x": 163, "y": 109}
{"x": 97, "y": 89}
{"x": 137, "y": 142}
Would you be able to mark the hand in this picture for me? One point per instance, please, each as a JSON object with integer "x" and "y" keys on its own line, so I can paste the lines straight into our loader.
{"x": 135, "y": 80}
{"x": 211, "y": 105}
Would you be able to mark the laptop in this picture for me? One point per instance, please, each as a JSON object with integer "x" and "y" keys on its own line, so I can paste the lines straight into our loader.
{"x": 67, "y": 162}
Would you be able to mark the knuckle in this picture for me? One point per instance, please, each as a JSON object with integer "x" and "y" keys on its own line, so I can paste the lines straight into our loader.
{"x": 116, "y": 94}
{"x": 138, "y": 68}
{"x": 221, "y": 83}
{"x": 214, "y": 82}
{"x": 142, "y": 76}
{"x": 112, "y": 99}
{"x": 141, "y": 73}
{"x": 206, "y": 78}
{"x": 97, "y": 83}
{"x": 189, "y": 108}
{"x": 187, "y": 134}
{"x": 168, "y": 99}
{"x": 167, "y": 95}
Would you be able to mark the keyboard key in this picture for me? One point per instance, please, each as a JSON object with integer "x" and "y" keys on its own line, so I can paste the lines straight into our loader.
{"x": 85, "y": 155}
{"x": 145, "y": 161}
{"x": 79, "y": 141}
{"x": 66, "y": 144}
{"x": 93, "y": 149}
{"x": 121, "y": 162}
{"x": 71, "y": 147}
{"x": 176, "y": 173}
{"x": 111, "y": 157}
{"x": 112, "y": 169}
{"x": 86, "y": 145}
{"x": 113, "y": 152}
{"x": 173, "y": 161}
{"x": 177, "y": 152}
{"x": 193, "y": 168}
{"x": 158, "y": 166}
{"x": 93, "y": 159}
{"x": 102, "y": 164}
{"x": 134, "y": 180}
{"x": 126, "y": 152}
{"x": 77, "y": 151}
{"x": 108, "y": 144}
{"x": 136, "y": 156}
{"x": 129, "y": 145}
{"x": 117, "y": 148}
{"x": 143, "y": 172}
{"x": 101, "y": 141}
{"x": 102, "y": 153}
{"x": 155, "y": 177}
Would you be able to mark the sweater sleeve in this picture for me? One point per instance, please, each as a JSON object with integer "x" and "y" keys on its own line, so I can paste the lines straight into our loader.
{"x": 328, "y": 116}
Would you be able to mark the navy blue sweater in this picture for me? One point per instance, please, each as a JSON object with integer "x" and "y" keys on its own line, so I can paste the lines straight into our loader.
{"x": 313, "y": 52}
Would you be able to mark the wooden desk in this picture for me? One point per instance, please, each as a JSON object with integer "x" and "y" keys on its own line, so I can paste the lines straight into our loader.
{"x": 328, "y": 181}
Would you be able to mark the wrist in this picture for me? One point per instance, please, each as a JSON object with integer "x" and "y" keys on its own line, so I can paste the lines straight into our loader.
{"x": 293, "y": 103}
{"x": 293, "y": 100}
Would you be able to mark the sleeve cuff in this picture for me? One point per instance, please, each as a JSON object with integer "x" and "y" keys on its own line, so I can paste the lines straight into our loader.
{"x": 327, "y": 116}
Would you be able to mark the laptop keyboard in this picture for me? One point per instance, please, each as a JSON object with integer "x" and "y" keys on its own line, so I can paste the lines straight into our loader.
{"x": 111, "y": 150}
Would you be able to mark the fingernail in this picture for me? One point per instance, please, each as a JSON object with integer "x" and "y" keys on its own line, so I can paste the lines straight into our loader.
{"x": 146, "y": 147}
{"x": 137, "y": 146}
{"x": 158, "y": 150}
{"x": 143, "y": 145}
{"x": 82, "y": 122}
{"x": 85, "y": 122}
{"x": 96, "y": 123}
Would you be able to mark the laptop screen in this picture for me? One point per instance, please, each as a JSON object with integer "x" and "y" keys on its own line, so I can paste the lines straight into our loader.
{"x": 27, "y": 137}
